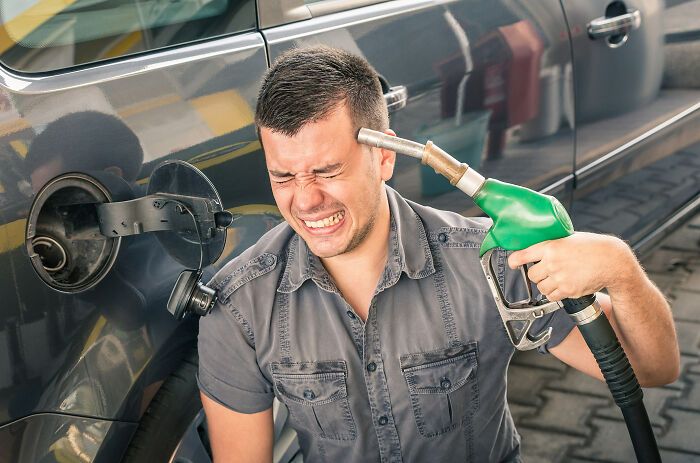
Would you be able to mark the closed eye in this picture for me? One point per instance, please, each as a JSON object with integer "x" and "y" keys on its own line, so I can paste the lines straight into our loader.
{"x": 281, "y": 180}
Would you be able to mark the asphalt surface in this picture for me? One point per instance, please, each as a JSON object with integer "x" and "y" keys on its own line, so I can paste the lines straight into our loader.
{"x": 566, "y": 416}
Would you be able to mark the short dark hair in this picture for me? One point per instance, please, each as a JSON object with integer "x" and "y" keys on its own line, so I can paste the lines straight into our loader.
{"x": 305, "y": 85}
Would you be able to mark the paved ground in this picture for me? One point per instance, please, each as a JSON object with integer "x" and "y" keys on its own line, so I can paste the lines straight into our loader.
{"x": 564, "y": 416}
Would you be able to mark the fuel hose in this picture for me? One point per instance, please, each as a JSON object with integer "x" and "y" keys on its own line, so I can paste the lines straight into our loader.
{"x": 617, "y": 371}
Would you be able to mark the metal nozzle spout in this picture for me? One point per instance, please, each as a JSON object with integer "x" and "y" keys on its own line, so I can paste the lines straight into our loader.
{"x": 458, "y": 173}
{"x": 382, "y": 140}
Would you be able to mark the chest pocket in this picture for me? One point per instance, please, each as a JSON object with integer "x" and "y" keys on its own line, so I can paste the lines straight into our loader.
{"x": 443, "y": 387}
{"x": 317, "y": 397}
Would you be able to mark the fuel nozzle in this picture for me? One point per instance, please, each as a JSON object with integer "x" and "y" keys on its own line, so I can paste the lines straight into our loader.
{"x": 458, "y": 173}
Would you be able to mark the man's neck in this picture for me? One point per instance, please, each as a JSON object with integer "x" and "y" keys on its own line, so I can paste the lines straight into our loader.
{"x": 357, "y": 273}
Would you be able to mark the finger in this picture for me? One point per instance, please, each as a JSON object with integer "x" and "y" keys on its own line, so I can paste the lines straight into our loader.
{"x": 555, "y": 296}
{"x": 532, "y": 254}
{"x": 547, "y": 286}
{"x": 537, "y": 273}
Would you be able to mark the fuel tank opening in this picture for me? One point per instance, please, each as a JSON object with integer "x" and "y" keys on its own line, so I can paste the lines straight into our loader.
{"x": 53, "y": 256}
{"x": 63, "y": 238}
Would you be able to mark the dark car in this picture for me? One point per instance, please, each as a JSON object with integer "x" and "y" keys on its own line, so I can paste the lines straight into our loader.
{"x": 595, "y": 102}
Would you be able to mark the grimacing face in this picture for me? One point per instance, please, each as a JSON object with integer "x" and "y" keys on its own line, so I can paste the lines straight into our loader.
{"x": 328, "y": 187}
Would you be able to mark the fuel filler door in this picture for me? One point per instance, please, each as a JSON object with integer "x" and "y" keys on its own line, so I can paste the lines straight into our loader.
{"x": 77, "y": 222}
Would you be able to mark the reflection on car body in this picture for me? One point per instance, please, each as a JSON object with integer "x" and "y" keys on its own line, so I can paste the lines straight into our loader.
{"x": 517, "y": 89}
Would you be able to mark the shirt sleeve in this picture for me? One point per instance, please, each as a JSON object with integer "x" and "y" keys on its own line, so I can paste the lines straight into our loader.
{"x": 560, "y": 322}
{"x": 228, "y": 368}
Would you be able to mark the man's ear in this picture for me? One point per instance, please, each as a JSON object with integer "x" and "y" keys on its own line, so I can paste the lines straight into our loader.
{"x": 387, "y": 159}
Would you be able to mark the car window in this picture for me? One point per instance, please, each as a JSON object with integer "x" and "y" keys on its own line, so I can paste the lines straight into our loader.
{"x": 46, "y": 35}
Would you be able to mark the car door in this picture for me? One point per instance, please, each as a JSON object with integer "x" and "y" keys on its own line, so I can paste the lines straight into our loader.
{"x": 637, "y": 113}
{"x": 109, "y": 90}
{"x": 488, "y": 81}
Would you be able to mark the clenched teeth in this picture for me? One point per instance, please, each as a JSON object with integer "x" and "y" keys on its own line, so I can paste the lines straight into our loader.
{"x": 326, "y": 222}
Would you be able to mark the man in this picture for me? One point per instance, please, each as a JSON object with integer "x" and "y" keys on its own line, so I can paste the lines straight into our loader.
{"x": 368, "y": 315}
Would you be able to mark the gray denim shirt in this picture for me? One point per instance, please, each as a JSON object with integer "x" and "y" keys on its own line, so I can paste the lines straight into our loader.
{"x": 424, "y": 379}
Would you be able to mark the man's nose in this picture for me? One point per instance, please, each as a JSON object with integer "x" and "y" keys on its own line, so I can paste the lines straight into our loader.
{"x": 307, "y": 196}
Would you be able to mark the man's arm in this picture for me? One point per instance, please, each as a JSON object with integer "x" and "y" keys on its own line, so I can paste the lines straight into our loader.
{"x": 585, "y": 263}
{"x": 238, "y": 437}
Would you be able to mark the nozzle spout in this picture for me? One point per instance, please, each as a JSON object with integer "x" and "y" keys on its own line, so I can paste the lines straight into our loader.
{"x": 458, "y": 173}
{"x": 382, "y": 140}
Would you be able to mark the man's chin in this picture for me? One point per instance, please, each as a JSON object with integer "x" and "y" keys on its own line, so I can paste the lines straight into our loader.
{"x": 324, "y": 251}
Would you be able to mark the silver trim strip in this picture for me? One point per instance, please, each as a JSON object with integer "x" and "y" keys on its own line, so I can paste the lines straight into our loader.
{"x": 648, "y": 134}
{"x": 334, "y": 6}
{"x": 650, "y": 241}
{"x": 561, "y": 183}
{"x": 26, "y": 84}
{"x": 332, "y": 22}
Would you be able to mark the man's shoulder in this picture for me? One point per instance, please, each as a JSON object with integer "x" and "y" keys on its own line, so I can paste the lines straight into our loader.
{"x": 263, "y": 258}
{"x": 438, "y": 221}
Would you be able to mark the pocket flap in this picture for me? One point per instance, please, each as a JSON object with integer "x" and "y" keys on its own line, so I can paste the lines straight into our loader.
{"x": 311, "y": 383}
{"x": 439, "y": 372}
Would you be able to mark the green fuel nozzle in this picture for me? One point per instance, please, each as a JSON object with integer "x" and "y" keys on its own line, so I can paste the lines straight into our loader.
{"x": 522, "y": 217}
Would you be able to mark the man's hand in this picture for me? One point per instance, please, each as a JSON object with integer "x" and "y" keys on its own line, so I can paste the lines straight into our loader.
{"x": 585, "y": 263}
{"x": 238, "y": 437}
{"x": 577, "y": 265}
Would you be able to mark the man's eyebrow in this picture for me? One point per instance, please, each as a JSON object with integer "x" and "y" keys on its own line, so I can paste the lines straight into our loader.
{"x": 320, "y": 170}
{"x": 277, "y": 173}
{"x": 327, "y": 169}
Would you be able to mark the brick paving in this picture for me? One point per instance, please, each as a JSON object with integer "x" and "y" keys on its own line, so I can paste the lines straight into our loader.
{"x": 565, "y": 416}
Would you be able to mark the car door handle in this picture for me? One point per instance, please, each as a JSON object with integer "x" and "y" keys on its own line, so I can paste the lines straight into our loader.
{"x": 396, "y": 98}
{"x": 617, "y": 25}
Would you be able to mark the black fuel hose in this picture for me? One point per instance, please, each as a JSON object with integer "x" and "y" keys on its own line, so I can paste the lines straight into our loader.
{"x": 619, "y": 375}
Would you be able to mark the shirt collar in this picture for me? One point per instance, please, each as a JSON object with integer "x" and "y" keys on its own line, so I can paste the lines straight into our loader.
{"x": 409, "y": 252}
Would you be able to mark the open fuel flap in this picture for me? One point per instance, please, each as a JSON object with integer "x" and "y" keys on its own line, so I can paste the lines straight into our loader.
{"x": 77, "y": 222}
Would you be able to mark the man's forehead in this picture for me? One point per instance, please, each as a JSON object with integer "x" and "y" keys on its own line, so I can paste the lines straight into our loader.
{"x": 315, "y": 155}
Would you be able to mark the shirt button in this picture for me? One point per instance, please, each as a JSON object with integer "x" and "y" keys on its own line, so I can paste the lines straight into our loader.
{"x": 371, "y": 366}
{"x": 309, "y": 394}
{"x": 351, "y": 315}
{"x": 269, "y": 261}
{"x": 445, "y": 383}
{"x": 383, "y": 420}
{"x": 442, "y": 237}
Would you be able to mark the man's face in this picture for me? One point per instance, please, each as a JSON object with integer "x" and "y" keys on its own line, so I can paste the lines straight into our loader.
{"x": 327, "y": 186}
